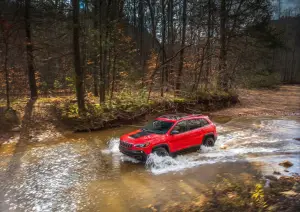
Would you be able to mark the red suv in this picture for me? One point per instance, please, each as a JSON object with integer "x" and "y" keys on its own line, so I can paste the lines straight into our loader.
{"x": 169, "y": 134}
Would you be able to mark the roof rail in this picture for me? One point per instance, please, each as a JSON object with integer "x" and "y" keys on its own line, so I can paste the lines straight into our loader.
{"x": 178, "y": 116}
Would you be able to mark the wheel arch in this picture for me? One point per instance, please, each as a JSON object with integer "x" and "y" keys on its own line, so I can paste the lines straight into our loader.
{"x": 166, "y": 146}
{"x": 208, "y": 135}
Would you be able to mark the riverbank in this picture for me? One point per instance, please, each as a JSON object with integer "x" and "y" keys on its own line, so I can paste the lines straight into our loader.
{"x": 284, "y": 101}
{"x": 248, "y": 193}
{"x": 45, "y": 116}
{"x": 59, "y": 115}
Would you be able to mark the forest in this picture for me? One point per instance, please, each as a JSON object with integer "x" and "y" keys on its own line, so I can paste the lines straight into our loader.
{"x": 103, "y": 50}
{"x": 79, "y": 79}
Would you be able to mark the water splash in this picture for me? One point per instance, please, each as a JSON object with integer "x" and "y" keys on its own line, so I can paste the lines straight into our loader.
{"x": 113, "y": 146}
{"x": 113, "y": 149}
{"x": 160, "y": 165}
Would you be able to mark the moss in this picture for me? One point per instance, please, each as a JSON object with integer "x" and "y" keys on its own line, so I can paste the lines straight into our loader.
{"x": 179, "y": 100}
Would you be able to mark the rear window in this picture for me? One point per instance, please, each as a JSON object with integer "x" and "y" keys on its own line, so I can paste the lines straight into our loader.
{"x": 204, "y": 122}
{"x": 196, "y": 123}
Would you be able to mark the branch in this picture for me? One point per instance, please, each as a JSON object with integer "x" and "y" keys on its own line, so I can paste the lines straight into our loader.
{"x": 171, "y": 58}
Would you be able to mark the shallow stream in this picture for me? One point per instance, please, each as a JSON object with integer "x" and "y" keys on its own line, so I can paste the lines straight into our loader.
{"x": 86, "y": 171}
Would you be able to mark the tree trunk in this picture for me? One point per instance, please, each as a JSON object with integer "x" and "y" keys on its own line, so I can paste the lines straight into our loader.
{"x": 208, "y": 63}
{"x": 153, "y": 25}
{"x": 141, "y": 39}
{"x": 170, "y": 37}
{"x": 286, "y": 70}
{"x": 178, "y": 80}
{"x": 108, "y": 71}
{"x": 163, "y": 48}
{"x": 29, "y": 50}
{"x": 101, "y": 40}
{"x": 292, "y": 77}
{"x": 95, "y": 71}
{"x": 223, "y": 76}
{"x": 6, "y": 75}
{"x": 134, "y": 15}
{"x": 113, "y": 78}
{"x": 77, "y": 60}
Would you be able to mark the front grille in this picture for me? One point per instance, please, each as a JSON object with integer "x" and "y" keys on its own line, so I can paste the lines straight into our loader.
{"x": 125, "y": 144}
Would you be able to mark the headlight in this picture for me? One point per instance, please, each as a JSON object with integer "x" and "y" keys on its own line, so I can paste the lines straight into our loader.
{"x": 142, "y": 145}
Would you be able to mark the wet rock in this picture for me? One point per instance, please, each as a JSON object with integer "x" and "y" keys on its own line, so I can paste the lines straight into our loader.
{"x": 273, "y": 208}
{"x": 224, "y": 146}
{"x": 296, "y": 187}
{"x": 276, "y": 173}
{"x": 271, "y": 177}
{"x": 286, "y": 170}
{"x": 286, "y": 163}
{"x": 289, "y": 193}
{"x": 16, "y": 129}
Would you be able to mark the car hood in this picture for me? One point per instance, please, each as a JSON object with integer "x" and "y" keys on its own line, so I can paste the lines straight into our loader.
{"x": 140, "y": 136}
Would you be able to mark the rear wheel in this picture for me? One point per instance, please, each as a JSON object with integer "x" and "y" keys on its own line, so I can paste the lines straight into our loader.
{"x": 209, "y": 142}
{"x": 160, "y": 151}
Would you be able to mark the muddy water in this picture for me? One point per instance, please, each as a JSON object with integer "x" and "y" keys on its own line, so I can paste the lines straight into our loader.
{"x": 86, "y": 172}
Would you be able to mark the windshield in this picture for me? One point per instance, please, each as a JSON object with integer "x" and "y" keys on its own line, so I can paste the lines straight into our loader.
{"x": 159, "y": 127}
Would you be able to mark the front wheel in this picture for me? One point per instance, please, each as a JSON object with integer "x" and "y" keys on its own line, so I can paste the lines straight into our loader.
{"x": 160, "y": 151}
{"x": 209, "y": 142}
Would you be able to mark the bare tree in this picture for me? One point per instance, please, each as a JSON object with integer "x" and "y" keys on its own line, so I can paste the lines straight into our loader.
{"x": 5, "y": 36}
{"x": 181, "y": 59}
{"x": 29, "y": 50}
{"x": 223, "y": 79}
{"x": 77, "y": 59}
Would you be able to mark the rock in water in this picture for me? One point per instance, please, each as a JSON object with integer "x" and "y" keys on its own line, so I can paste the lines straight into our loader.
{"x": 271, "y": 177}
{"x": 16, "y": 129}
{"x": 276, "y": 173}
{"x": 224, "y": 146}
{"x": 286, "y": 163}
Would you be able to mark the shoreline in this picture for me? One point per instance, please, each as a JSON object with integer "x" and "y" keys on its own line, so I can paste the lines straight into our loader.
{"x": 56, "y": 117}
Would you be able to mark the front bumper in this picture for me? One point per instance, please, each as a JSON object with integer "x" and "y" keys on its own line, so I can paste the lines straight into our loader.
{"x": 137, "y": 154}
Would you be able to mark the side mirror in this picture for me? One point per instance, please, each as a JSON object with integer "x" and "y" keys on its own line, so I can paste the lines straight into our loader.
{"x": 174, "y": 132}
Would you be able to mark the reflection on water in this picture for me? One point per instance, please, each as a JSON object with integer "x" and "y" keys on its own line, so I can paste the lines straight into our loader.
{"x": 87, "y": 172}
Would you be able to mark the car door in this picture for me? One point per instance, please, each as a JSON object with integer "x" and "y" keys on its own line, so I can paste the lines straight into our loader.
{"x": 179, "y": 136}
{"x": 194, "y": 131}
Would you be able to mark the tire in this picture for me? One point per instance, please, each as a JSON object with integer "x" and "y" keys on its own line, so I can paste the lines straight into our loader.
{"x": 160, "y": 151}
{"x": 209, "y": 142}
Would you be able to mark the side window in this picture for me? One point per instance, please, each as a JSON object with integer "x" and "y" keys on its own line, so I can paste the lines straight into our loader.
{"x": 180, "y": 127}
{"x": 194, "y": 124}
{"x": 204, "y": 122}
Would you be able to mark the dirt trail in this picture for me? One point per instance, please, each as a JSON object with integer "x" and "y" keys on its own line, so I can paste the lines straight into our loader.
{"x": 282, "y": 102}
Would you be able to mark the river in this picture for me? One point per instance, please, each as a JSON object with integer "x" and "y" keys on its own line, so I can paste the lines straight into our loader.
{"x": 86, "y": 171}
